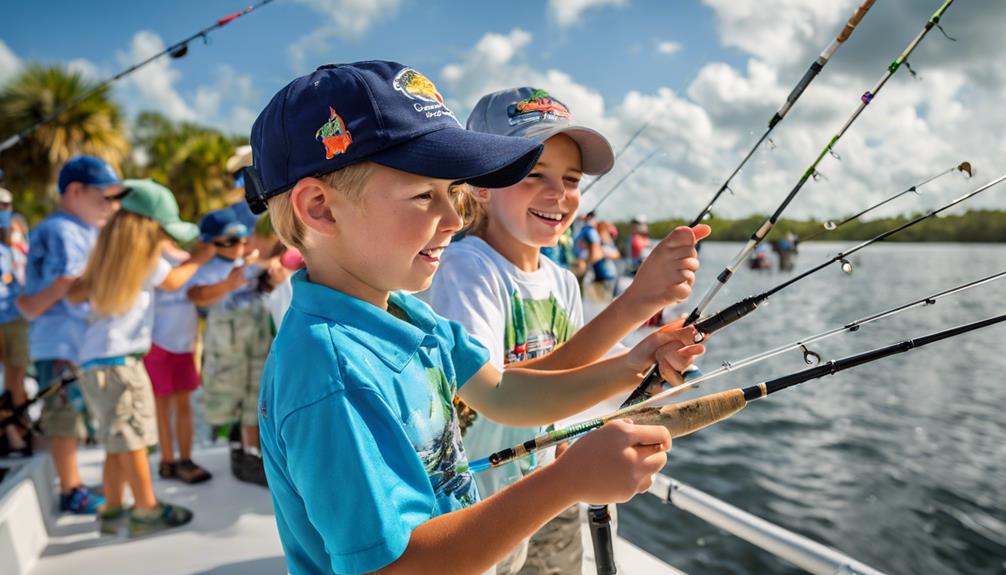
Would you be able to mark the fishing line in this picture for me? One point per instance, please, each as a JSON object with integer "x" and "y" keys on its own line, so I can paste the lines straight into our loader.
{"x": 176, "y": 50}
{"x": 810, "y": 357}
{"x": 794, "y": 95}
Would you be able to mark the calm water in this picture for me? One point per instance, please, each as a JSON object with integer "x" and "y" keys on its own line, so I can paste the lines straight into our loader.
{"x": 900, "y": 463}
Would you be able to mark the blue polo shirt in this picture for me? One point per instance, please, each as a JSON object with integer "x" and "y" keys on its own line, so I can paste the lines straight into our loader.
{"x": 59, "y": 247}
{"x": 358, "y": 428}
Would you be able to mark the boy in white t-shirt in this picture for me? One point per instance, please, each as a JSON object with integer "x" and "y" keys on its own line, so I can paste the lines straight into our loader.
{"x": 524, "y": 308}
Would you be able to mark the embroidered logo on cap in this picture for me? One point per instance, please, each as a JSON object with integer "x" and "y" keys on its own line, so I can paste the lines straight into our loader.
{"x": 334, "y": 135}
{"x": 537, "y": 107}
{"x": 415, "y": 86}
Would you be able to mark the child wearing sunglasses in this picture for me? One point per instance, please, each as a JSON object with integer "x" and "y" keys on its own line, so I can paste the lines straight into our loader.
{"x": 237, "y": 337}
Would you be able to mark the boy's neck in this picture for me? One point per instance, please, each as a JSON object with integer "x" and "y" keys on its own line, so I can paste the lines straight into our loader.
{"x": 326, "y": 271}
{"x": 521, "y": 255}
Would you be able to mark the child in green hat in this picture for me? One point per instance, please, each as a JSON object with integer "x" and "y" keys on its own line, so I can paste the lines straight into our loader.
{"x": 119, "y": 281}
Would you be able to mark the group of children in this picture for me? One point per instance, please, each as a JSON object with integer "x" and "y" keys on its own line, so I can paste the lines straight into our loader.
{"x": 394, "y": 336}
{"x": 114, "y": 300}
{"x": 367, "y": 172}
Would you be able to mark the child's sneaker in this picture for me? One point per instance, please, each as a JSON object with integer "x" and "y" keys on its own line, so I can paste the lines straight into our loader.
{"x": 111, "y": 521}
{"x": 81, "y": 501}
{"x": 164, "y": 516}
{"x": 252, "y": 470}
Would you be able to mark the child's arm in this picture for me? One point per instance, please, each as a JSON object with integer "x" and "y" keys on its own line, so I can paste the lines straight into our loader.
{"x": 32, "y": 306}
{"x": 183, "y": 272}
{"x": 207, "y": 295}
{"x": 525, "y": 397}
{"x": 664, "y": 278}
{"x": 609, "y": 465}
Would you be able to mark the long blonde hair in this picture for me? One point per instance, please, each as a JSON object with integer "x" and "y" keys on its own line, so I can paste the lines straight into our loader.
{"x": 126, "y": 254}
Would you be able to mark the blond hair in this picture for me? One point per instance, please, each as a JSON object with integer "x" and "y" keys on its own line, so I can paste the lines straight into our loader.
{"x": 474, "y": 214}
{"x": 291, "y": 231}
{"x": 125, "y": 255}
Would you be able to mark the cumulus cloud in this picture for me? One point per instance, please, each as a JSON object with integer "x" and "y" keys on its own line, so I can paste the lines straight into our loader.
{"x": 915, "y": 128}
{"x": 568, "y": 12}
{"x": 155, "y": 82}
{"x": 669, "y": 47}
{"x": 340, "y": 19}
{"x": 9, "y": 63}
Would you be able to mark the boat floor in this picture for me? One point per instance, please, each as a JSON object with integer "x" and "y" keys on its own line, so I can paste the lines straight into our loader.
{"x": 233, "y": 532}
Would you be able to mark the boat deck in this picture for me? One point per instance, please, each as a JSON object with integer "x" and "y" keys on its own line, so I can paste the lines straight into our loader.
{"x": 233, "y": 533}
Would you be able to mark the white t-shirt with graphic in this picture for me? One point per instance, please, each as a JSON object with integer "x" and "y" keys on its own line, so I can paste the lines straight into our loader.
{"x": 125, "y": 333}
{"x": 516, "y": 315}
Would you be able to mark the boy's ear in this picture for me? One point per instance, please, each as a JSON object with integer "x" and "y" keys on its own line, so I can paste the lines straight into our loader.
{"x": 312, "y": 202}
{"x": 481, "y": 194}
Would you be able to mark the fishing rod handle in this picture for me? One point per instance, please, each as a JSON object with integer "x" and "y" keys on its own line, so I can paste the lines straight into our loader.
{"x": 725, "y": 317}
{"x": 850, "y": 26}
{"x": 687, "y": 417}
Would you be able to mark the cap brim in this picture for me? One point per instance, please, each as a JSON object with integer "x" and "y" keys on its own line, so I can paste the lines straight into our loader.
{"x": 181, "y": 232}
{"x": 596, "y": 154}
{"x": 483, "y": 160}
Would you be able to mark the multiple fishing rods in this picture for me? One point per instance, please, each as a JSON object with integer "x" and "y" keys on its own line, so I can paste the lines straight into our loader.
{"x": 177, "y": 50}
{"x": 723, "y": 318}
{"x": 830, "y": 225}
{"x": 652, "y": 374}
{"x": 810, "y": 357}
{"x": 622, "y": 181}
{"x": 798, "y": 90}
{"x": 619, "y": 153}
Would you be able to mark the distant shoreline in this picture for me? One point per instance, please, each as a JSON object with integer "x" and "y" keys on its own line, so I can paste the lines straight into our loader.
{"x": 978, "y": 226}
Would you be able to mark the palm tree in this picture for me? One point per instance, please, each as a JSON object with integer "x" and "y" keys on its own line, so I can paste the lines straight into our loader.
{"x": 94, "y": 126}
{"x": 188, "y": 158}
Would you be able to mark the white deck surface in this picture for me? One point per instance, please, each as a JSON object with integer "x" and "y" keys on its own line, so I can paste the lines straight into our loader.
{"x": 233, "y": 533}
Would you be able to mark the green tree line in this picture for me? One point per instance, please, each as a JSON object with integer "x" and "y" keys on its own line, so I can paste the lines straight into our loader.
{"x": 972, "y": 226}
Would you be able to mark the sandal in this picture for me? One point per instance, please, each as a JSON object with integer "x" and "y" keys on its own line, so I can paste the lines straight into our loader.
{"x": 168, "y": 470}
{"x": 190, "y": 473}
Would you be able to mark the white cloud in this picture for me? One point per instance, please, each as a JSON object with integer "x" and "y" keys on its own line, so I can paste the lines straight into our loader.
{"x": 155, "y": 82}
{"x": 912, "y": 130}
{"x": 340, "y": 19}
{"x": 568, "y": 12}
{"x": 87, "y": 69}
{"x": 669, "y": 47}
{"x": 9, "y": 63}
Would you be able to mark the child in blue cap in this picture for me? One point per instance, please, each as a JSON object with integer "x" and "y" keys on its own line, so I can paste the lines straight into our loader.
{"x": 119, "y": 283}
{"x": 89, "y": 191}
{"x": 522, "y": 306}
{"x": 361, "y": 167}
{"x": 237, "y": 337}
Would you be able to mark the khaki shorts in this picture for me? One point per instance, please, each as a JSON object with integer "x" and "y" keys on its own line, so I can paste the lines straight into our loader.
{"x": 235, "y": 347}
{"x": 121, "y": 400}
{"x": 15, "y": 343}
{"x": 557, "y": 549}
{"x": 61, "y": 411}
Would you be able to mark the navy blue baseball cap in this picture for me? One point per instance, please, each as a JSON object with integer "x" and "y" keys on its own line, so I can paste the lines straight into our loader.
{"x": 222, "y": 222}
{"x": 87, "y": 170}
{"x": 384, "y": 112}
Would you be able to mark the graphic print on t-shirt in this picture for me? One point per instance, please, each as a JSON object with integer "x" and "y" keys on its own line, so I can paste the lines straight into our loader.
{"x": 534, "y": 328}
{"x": 438, "y": 442}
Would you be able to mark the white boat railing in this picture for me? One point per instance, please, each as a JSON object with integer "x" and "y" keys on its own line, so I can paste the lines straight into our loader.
{"x": 805, "y": 553}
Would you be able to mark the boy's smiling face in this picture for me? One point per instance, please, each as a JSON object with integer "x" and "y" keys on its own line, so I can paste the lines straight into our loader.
{"x": 538, "y": 209}
{"x": 391, "y": 238}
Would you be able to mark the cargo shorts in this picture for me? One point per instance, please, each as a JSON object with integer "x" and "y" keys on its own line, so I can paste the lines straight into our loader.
{"x": 235, "y": 347}
{"x": 62, "y": 411}
{"x": 121, "y": 400}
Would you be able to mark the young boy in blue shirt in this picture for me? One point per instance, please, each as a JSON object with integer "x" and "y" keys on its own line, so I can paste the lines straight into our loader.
{"x": 360, "y": 166}
{"x": 89, "y": 191}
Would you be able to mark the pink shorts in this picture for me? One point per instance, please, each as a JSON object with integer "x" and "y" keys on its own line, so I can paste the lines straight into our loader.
{"x": 171, "y": 372}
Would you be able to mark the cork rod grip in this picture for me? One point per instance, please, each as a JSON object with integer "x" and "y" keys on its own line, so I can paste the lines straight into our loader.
{"x": 850, "y": 26}
{"x": 690, "y": 416}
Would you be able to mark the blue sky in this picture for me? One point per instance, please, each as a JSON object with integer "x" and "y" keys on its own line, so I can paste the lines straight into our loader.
{"x": 707, "y": 73}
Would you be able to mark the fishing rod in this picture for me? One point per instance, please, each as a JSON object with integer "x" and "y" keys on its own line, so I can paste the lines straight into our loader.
{"x": 808, "y": 77}
{"x": 767, "y": 226}
{"x": 830, "y": 225}
{"x": 810, "y": 358}
{"x": 177, "y": 50}
{"x": 66, "y": 378}
{"x": 622, "y": 181}
{"x": 619, "y": 153}
{"x": 716, "y": 322}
